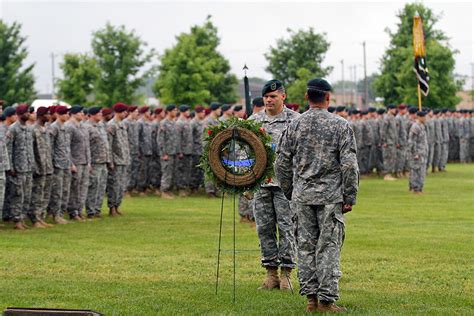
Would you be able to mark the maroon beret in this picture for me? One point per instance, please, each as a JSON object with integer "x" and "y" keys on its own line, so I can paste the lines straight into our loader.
{"x": 132, "y": 108}
{"x": 207, "y": 111}
{"x": 21, "y": 109}
{"x": 144, "y": 109}
{"x": 106, "y": 111}
{"x": 42, "y": 110}
{"x": 158, "y": 110}
{"x": 52, "y": 109}
{"x": 120, "y": 107}
{"x": 61, "y": 109}
{"x": 199, "y": 108}
{"x": 402, "y": 106}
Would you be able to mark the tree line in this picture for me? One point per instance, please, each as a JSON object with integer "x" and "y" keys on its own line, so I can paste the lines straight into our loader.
{"x": 193, "y": 71}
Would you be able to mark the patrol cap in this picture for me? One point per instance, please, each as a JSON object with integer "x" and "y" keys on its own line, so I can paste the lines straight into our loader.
{"x": 412, "y": 110}
{"x": 94, "y": 110}
{"x": 421, "y": 113}
{"x": 76, "y": 109}
{"x": 119, "y": 108}
{"x": 106, "y": 111}
{"x": 170, "y": 107}
{"x": 61, "y": 109}
{"x": 340, "y": 108}
{"x": 391, "y": 106}
{"x": 372, "y": 109}
{"x": 214, "y": 106}
{"x": 21, "y": 109}
{"x": 331, "y": 109}
{"x": 199, "y": 109}
{"x": 319, "y": 84}
{"x": 158, "y": 110}
{"x": 42, "y": 110}
{"x": 143, "y": 109}
{"x": 183, "y": 108}
{"x": 9, "y": 111}
{"x": 258, "y": 102}
{"x": 225, "y": 107}
{"x": 380, "y": 111}
{"x": 272, "y": 85}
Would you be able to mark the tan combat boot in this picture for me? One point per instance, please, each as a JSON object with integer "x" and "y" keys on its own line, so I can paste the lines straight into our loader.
{"x": 112, "y": 212}
{"x": 388, "y": 177}
{"x": 38, "y": 225}
{"x": 272, "y": 281}
{"x": 59, "y": 220}
{"x": 285, "y": 279}
{"x": 167, "y": 195}
{"x": 330, "y": 307}
{"x": 19, "y": 226}
{"x": 312, "y": 304}
{"x": 45, "y": 224}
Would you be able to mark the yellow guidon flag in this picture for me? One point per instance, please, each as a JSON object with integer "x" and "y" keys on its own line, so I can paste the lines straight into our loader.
{"x": 420, "y": 68}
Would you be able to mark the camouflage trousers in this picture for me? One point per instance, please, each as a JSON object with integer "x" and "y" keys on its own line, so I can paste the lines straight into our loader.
{"x": 60, "y": 186}
{"x": 97, "y": 188}
{"x": 40, "y": 195}
{"x": 245, "y": 207}
{"x": 273, "y": 216}
{"x": 6, "y": 216}
{"x": 133, "y": 171}
{"x": 471, "y": 148}
{"x": 436, "y": 155}
{"x": 155, "y": 179}
{"x": 20, "y": 197}
{"x": 417, "y": 175}
{"x": 429, "y": 161}
{"x": 401, "y": 159}
{"x": 197, "y": 174}
{"x": 364, "y": 162}
{"x": 3, "y": 183}
{"x": 464, "y": 150}
{"x": 389, "y": 154}
{"x": 453, "y": 148}
{"x": 210, "y": 187}
{"x": 116, "y": 185}
{"x": 183, "y": 172}
{"x": 444, "y": 156}
{"x": 78, "y": 191}
{"x": 167, "y": 173}
{"x": 320, "y": 236}
{"x": 144, "y": 177}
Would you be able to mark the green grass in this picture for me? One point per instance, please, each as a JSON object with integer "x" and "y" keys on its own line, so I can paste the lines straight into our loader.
{"x": 403, "y": 254}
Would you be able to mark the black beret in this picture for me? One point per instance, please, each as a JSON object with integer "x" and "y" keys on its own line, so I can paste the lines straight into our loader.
{"x": 214, "y": 106}
{"x": 372, "y": 110}
{"x": 452, "y": 110}
{"x": 365, "y": 112}
{"x": 319, "y": 84}
{"x": 391, "y": 106}
{"x": 436, "y": 111}
{"x": 31, "y": 109}
{"x": 380, "y": 111}
{"x": 412, "y": 110}
{"x": 444, "y": 110}
{"x": 340, "y": 108}
{"x": 237, "y": 108}
{"x": 76, "y": 109}
{"x": 225, "y": 107}
{"x": 271, "y": 86}
{"x": 183, "y": 108}
{"x": 94, "y": 110}
{"x": 258, "y": 102}
{"x": 421, "y": 113}
{"x": 331, "y": 109}
{"x": 170, "y": 107}
{"x": 9, "y": 111}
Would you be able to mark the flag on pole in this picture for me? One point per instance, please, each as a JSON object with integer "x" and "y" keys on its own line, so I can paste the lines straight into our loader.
{"x": 248, "y": 105}
{"x": 420, "y": 68}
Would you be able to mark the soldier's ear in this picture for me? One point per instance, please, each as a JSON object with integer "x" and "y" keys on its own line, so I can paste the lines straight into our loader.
{"x": 306, "y": 96}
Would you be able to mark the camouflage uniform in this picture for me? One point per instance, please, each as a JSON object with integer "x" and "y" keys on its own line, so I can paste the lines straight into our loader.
{"x": 208, "y": 185}
{"x": 430, "y": 134}
{"x": 145, "y": 148}
{"x": 4, "y": 166}
{"x": 133, "y": 169}
{"x": 454, "y": 139}
{"x": 246, "y": 207}
{"x": 20, "y": 149}
{"x": 155, "y": 179}
{"x": 438, "y": 140}
{"x": 197, "y": 174}
{"x": 316, "y": 165}
{"x": 81, "y": 158}
{"x": 418, "y": 153}
{"x": 61, "y": 148}
{"x": 42, "y": 177}
{"x": 272, "y": 210}
{"x": 100, "y": 157}
{"x": 185, "y": 147}
{"x": 167, "y": 141}
{"x": 120, "y": 160}
{"x": 444, "y": 143}
{"x": 367, "y": 141}
{"x": 471, "y": 137}
{"x": 389, "y": 140}
{"x": 464, "y": 133}
{"x": 374, "y": 149}
{"x": 402, "y": 123}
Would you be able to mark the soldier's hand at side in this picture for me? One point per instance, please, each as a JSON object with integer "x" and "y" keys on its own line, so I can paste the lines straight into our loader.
{"x": 110, "y": 165}
{"x": 73, "y": 169}
{"x": 417, "y": 157}
{"x": 384, "y": 145}
{"x": 12, "y": 173}
{"x": 398, "y": 146}
{"x": 180, "y": 155}
{"x": 346, "y": 208}
{"x": 165, "y": 158}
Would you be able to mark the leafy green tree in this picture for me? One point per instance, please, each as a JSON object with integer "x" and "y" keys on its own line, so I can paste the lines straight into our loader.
{"x": 81, "y": 73}
{"x": 193, "y": 71}
{"x": 296, "y": 91}
{"x": 16, "y": 80}
{"x": 121, "y": 57}
{"x": 397, "y": 82}
{"x": 303, "y": 49}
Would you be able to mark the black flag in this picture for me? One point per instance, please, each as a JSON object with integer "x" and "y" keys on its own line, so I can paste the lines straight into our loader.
{"x": 421, "y": 71}
{"x": 248, "y": 105}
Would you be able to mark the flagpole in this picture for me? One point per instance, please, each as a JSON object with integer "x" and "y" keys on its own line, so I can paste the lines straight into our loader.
{"x": 419, "y": 98}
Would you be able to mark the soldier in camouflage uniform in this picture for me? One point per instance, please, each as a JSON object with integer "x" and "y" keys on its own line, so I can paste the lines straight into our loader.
{"x": 100, "y": 158}
{"x": 167, "y": 141}
{"x": 145, "y": 148}
{"x": 272, "y": 210}
{"x": 184, "y": 151}
{"x": 316, "y": 166}
{"x": 418, "y": 153}
{"x": 379, "y": 149}
{"x": 402, "y": 140}
{"x": 9, "y": 116}
{"x": 155, "y": 161}
{"x": 197, "y": 127}
{"x": 20, "y": 149}
{"x": 120, "y": 159}
{"x": 42, "y": 176}
{"x": 438, "y": 135}
{"x": 4, "y": 162}
{"x": 81, "y": 162}
{"x": 430, "y": 134}
{"x": 367, "y": 142}
{"x": 471, "y": 134}
{"x": 389, "y": 140}
{"x": 444, "y": 140}
{"x": 464, "y": 135}
{"x": 212, "y": 119}
{"x": 132, "y": 125}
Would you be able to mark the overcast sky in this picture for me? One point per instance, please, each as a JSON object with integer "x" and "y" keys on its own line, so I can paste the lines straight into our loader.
{"x": 247, "y": 29}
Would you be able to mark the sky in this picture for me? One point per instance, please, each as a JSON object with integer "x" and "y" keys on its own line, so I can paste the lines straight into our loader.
{"x": 247, "y": 29}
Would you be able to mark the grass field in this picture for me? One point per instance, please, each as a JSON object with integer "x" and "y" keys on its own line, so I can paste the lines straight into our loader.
{"x": 403, "y": 254}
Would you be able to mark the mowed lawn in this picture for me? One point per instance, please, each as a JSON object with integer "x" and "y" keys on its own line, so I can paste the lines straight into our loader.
{"x": 403, "y": 254}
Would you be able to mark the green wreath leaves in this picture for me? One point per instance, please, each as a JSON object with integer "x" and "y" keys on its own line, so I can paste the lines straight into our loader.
{"x": 250, "y": 133}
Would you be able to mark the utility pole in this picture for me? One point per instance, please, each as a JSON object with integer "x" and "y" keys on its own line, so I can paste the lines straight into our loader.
{"x": 355, "y": 85}
{"x": 52, "y": 76}
{"x": 366, "y": 84}
{"x": 343, "y": 83}
{"x": 472, "y": 85}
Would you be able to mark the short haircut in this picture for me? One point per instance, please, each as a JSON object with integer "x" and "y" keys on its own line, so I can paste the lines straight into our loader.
{"x": 316, "y": 96}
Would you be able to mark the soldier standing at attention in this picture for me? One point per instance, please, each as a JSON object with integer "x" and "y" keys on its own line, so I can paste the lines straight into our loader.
{"x": 402, "y": 140}
{"x": 197, "y": 127}
{"x": 389, "y": 140}
{"x": 185, "y": 151}
{"x": 227, "y": 112}
{"x": 257, "y": 105}
{"x": 100, "y": 158}
{"x": 212, "y": 119}
{"x": 418, "y": 153}
{"x": 155, "y": 179}
{"x": 316, "y": 166}
{"x": 167, "y": 141}
{"x": 272, "y": 210}
{"x": 120, "y": 152}
{"x": 4, "y": 163}
{"x": 133, "y": 171}
{"x": 145, "y": 148}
